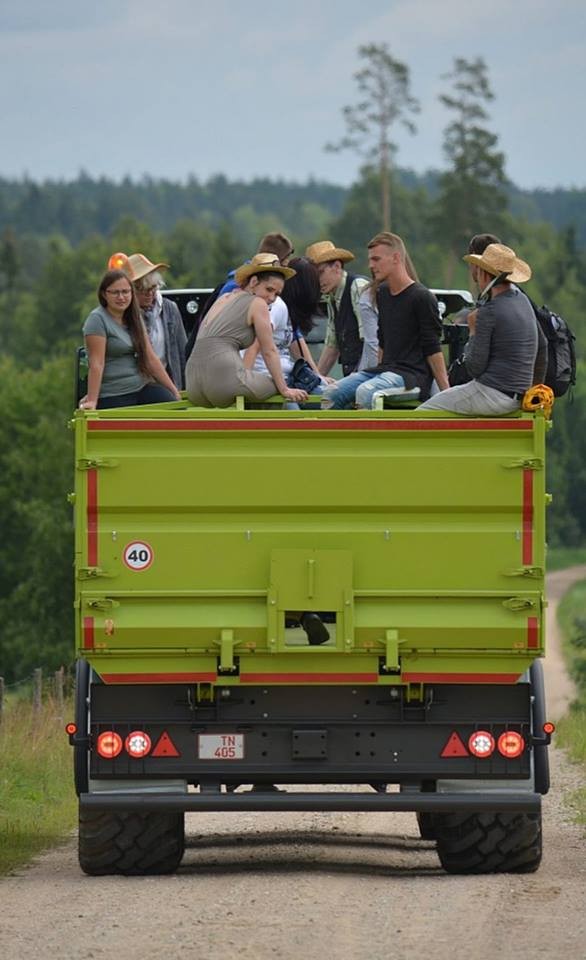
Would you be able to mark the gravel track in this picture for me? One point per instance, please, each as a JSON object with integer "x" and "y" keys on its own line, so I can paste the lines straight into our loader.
{"x": 350, "y": 886}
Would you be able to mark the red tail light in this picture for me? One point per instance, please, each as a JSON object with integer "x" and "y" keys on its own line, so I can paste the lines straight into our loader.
{"x": 109, "y": 744}
{"x": 548, "y": 727}
{"x": 481, "y": 744}
{"x": 137, "y": 743}
{"x": 511, "y": 744}
{"x": 71, "y": 728}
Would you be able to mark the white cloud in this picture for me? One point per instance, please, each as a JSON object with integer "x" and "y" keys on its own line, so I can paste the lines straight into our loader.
{"x": 132, "y": 86}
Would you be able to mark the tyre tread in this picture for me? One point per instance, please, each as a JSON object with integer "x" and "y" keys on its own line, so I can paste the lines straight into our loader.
{"x": 130, "y": 843}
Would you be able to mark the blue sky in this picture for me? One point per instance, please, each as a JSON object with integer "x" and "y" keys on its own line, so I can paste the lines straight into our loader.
{"x": 133, "y": 87}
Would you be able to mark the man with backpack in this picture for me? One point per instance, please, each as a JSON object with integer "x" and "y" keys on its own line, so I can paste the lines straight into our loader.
{"x": 560, "y": 369}
{"x": 505, "y": 354}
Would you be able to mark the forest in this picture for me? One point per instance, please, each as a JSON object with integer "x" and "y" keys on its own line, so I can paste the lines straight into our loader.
{"x": 55, "y": 240}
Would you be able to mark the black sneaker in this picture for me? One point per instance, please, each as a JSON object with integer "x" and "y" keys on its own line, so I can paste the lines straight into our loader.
{"x": 316, "y": 631}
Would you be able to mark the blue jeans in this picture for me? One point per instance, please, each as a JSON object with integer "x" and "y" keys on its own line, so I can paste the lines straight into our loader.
{"x": 360, "y": 388}
{"x": 150, "y": 393}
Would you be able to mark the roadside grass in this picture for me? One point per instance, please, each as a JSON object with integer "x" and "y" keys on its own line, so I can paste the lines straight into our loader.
{"x": 37, "y": 800}
{"x": 571, "y": 730}
{"x": 558, "y": 558}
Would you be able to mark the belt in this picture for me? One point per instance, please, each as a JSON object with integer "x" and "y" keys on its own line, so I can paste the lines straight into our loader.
{"x": 511, "y": 394}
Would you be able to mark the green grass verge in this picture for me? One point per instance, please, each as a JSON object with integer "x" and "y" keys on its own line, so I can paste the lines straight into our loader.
{"x": 571, "y": 730}
{"x": 38, "y": 805}
{"x": 558, "y": 558}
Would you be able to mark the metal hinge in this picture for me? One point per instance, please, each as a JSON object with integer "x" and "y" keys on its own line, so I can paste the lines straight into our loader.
{"x": 391, "y": 661}
{"x": 227, "y": 644}
{"x": 86, "y": 463}
{"x": 91, "y": 573}
{"x": 102, "y": 603}
{"x": 519, "y": 603}
{"x": 531, "y": 463}
{"x": 532, "y": 573}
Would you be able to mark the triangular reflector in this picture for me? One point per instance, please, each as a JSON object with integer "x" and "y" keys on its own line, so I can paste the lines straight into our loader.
{"x": 454, "y": 747}
{"x": 165, "y": 747}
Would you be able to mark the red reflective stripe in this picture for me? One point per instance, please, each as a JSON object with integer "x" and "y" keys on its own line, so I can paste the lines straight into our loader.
{"x": 92, "y": 518}
{"x": 528, "y": 517}
{"x": 88, "y": 633}
{"x": 159, "y": 677}
{"x": 309, "y": 677}
{"x": 460, "y": 677}
{"x": 322, "y": 424}
{"x": 532, "y": 632}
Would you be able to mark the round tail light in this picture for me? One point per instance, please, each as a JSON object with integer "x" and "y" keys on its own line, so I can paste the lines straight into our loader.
{"x": 511, "y": 744}
{"x": 109, "y": 744}
{"x": 137, "y": 743}
{"x": 481, "y": 744}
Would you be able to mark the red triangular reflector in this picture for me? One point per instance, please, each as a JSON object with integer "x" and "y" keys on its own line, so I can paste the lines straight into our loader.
{"x": 454, "y": 747}
{"x": 165, "y": 747}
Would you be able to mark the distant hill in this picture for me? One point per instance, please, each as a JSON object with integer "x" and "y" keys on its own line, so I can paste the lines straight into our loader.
{"x": 81, "y": 207}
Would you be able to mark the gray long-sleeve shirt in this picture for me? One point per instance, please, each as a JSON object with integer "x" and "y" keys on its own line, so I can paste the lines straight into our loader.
{"x": 508, "y": 350}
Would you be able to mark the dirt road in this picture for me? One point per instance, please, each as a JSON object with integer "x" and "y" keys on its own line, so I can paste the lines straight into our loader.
{"x": 346, "y": 887}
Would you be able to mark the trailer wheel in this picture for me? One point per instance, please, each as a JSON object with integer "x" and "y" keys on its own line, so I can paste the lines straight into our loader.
{"x": 488, "y": 842}
{"x": 538, "y": 717}
{"x": 426, "y": 824}
{"x": 129, "y": 843}
{"x": 80, "y": 753}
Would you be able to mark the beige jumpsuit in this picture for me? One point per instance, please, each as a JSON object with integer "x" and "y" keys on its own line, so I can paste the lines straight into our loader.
{"x": 215, "y": 374}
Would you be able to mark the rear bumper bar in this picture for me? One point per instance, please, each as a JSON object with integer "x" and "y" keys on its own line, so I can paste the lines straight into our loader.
{"x": 522, "y": 802}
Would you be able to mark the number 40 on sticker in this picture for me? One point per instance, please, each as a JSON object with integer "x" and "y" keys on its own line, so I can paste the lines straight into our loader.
{"x": 138, "y": 555}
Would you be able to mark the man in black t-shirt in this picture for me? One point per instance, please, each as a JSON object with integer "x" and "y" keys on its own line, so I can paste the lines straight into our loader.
{"x": 410, "y": 328}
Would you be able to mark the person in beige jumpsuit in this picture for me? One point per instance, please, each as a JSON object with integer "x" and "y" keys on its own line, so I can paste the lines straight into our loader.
{"x": 215, "y": 373}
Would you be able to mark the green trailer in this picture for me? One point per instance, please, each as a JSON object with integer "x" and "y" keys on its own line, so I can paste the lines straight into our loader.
{"x": 203, "y": 535}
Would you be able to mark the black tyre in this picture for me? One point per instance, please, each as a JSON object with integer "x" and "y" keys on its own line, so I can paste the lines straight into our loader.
{"x": 81, "y": 753}
{"x": 538, "y": 718}
{"x": 426, "y": 824}
{"x": 129, "y": 843}
{"x": 489, "y": 842}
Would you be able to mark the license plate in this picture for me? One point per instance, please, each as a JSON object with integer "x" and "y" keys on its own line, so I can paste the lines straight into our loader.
{"x": 220, "y": 746}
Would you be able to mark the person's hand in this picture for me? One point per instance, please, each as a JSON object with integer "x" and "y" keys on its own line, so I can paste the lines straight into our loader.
{"x": 297, "y": 396}
{"x": 85, "y": 404}
{"x": 329, "y": 380}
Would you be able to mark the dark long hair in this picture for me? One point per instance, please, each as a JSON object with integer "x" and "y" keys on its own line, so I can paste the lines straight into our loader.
{"x": 131, "y": 316}
{"x": 302, "y": 294}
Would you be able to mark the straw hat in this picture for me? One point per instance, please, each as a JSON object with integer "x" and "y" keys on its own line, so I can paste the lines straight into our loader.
{"x": 498, "y": 259}
{"x": 324, "y": 251}
{"x": 135, "y": 266}
{"x": 262, "y": 263}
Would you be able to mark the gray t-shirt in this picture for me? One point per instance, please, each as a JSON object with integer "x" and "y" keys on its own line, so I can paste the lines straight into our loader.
{"x": 503, "y": 351}
{"x": 121, "y": 373}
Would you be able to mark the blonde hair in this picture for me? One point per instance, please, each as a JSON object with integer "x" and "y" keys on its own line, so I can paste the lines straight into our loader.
{"x": 394, "y": 241}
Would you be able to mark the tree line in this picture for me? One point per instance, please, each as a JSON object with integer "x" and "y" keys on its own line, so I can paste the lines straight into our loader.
{"x": 55, "y": 240}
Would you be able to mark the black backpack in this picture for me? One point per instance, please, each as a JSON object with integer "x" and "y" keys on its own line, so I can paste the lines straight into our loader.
{"x": 560, "y": 374}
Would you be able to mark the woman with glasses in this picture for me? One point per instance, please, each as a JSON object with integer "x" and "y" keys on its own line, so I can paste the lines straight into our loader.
{"x": 124, "y": 370}
{"x": 162, "y": 319}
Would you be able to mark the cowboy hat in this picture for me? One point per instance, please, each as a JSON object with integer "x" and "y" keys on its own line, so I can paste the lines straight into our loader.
{"x": 324, "y": 251}
{"x": 136, "y": 266}
{"x": 262, "y": 263}
{"x": 498, "y": 259}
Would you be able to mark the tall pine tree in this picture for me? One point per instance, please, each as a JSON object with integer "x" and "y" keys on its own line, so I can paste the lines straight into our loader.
{"x": 471, "y": 191}
{"x": 386, "y": 101}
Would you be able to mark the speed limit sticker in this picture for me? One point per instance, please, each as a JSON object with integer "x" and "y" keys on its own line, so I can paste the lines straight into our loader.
{"x": 138, "y": 555}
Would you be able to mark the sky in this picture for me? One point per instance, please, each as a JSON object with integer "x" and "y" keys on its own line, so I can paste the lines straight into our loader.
{"x": 203, "y": 87}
